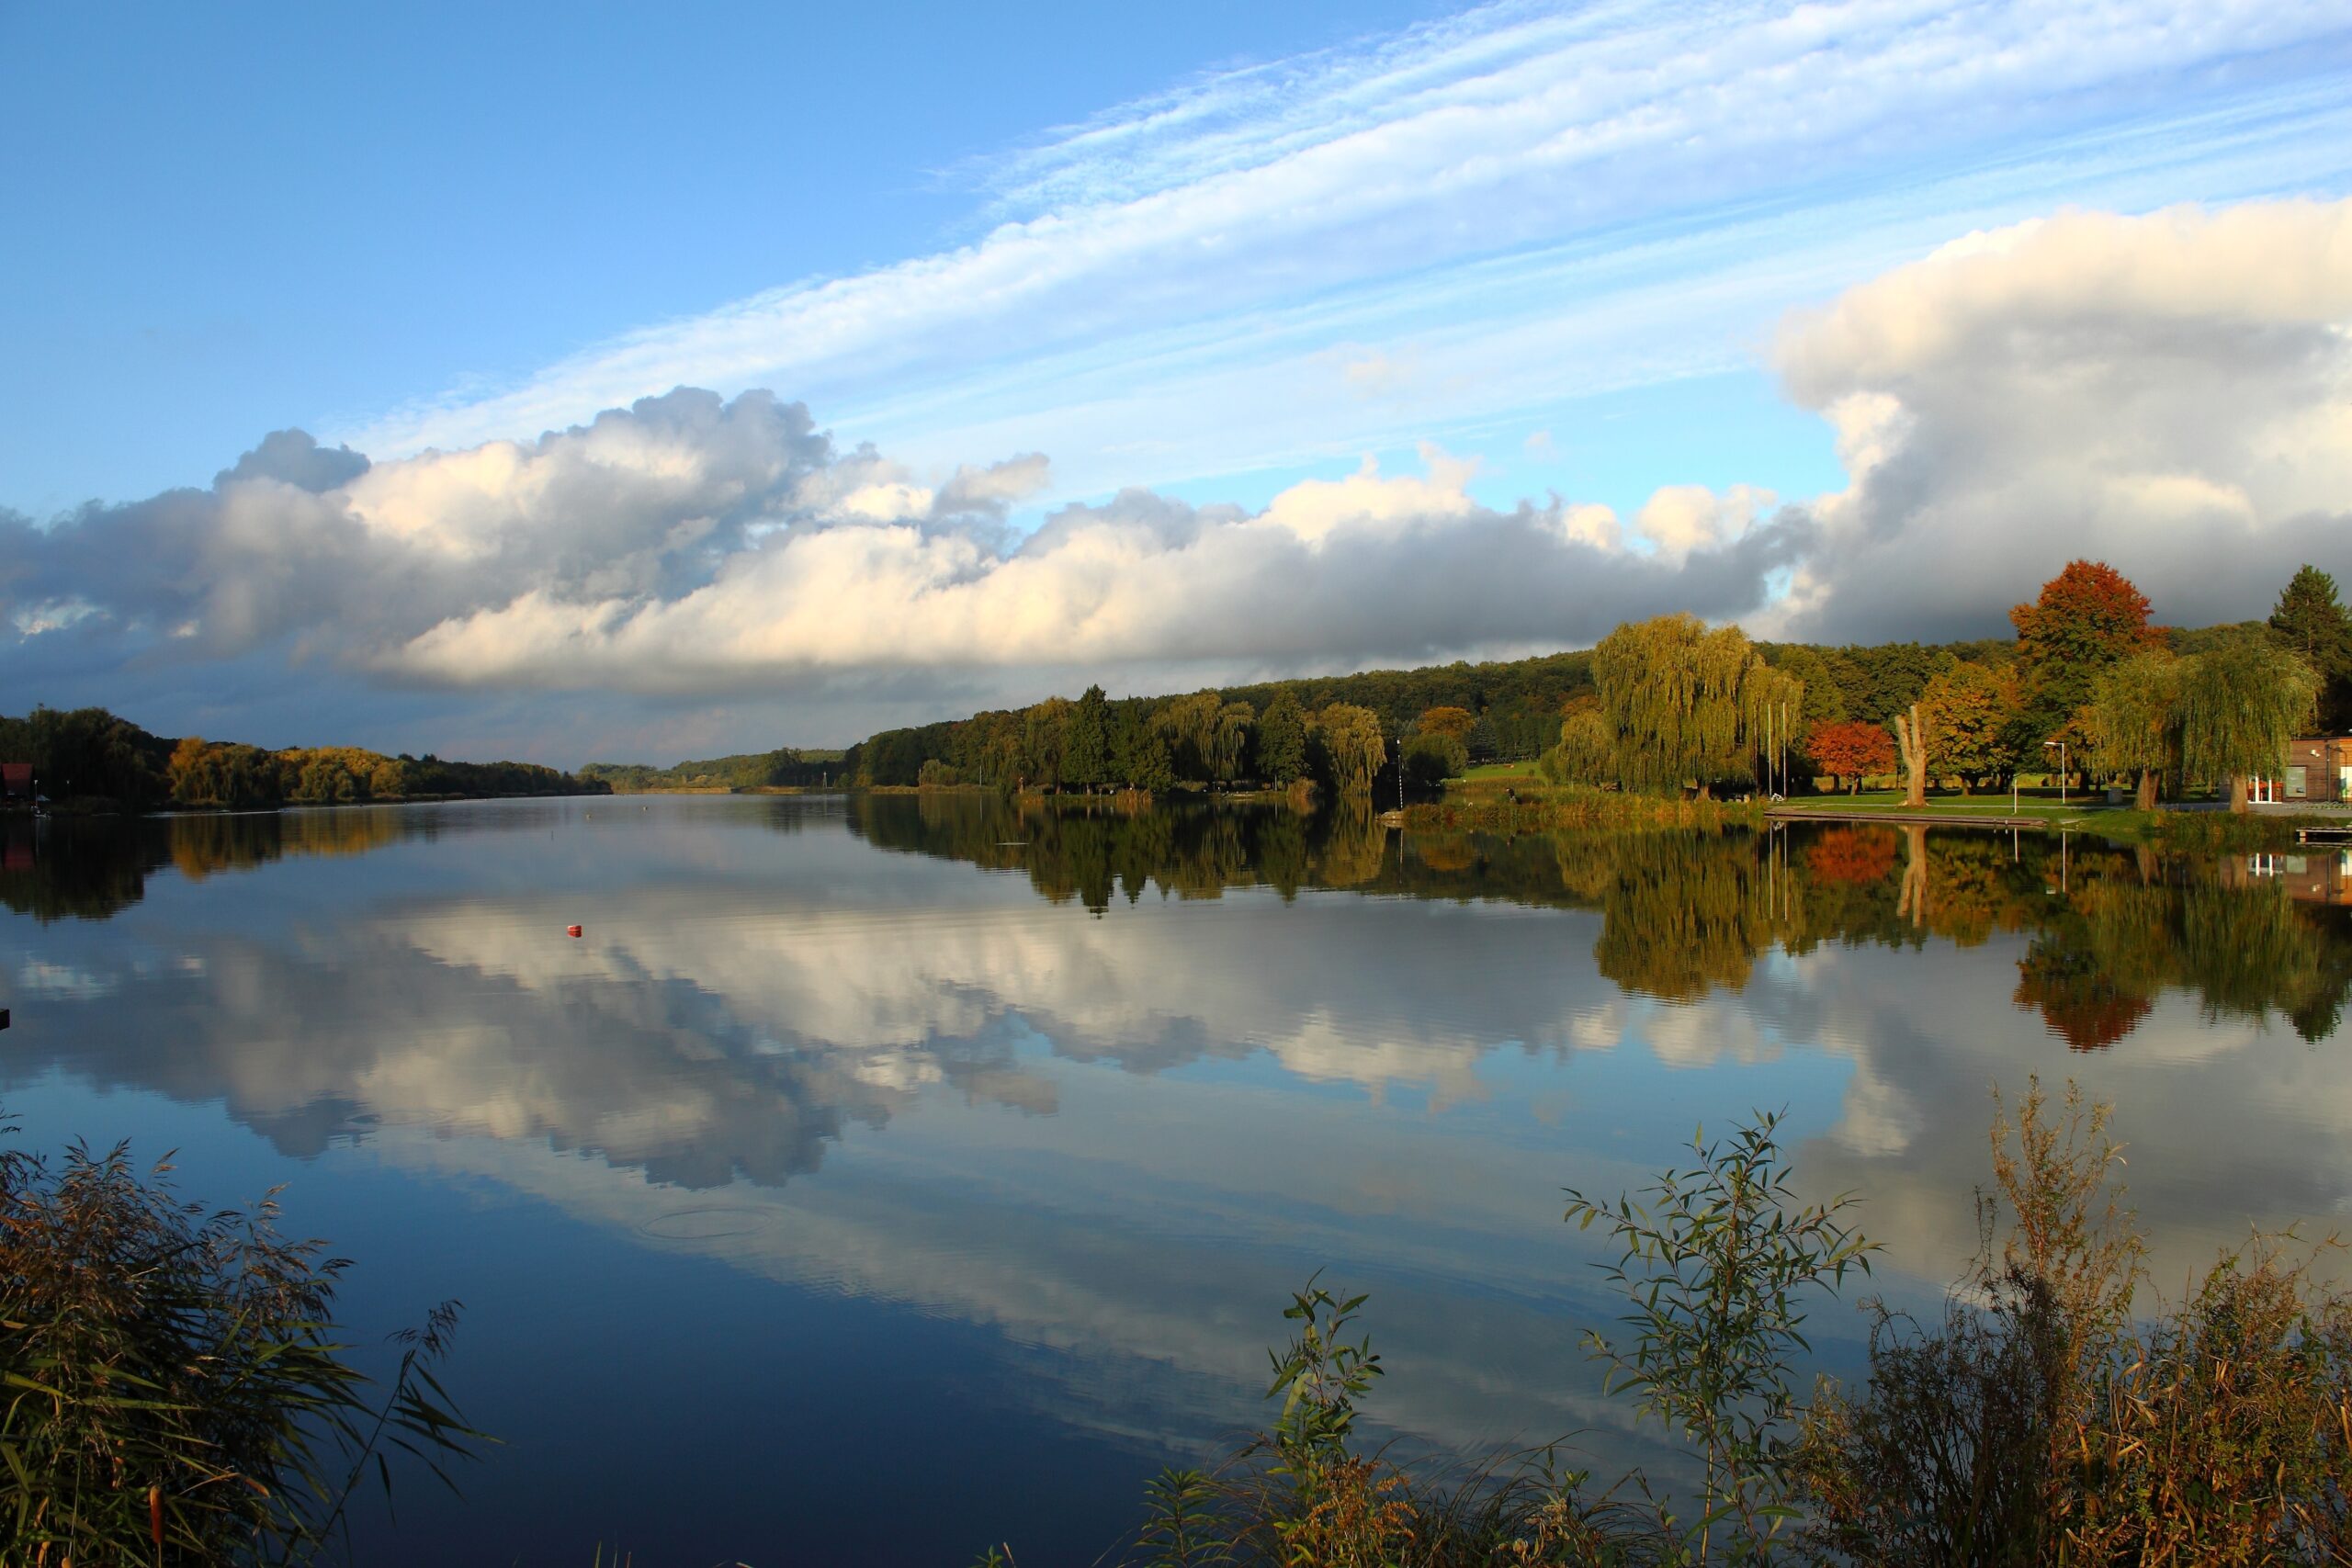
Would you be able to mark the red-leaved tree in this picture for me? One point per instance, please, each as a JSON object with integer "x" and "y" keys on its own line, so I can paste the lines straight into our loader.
{"x": 1849, "y": 748}
{"x": 2086, "y": 619}
{"x": 1861, "y": 856}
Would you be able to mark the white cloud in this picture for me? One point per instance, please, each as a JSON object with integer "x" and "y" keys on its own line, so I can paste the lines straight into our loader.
{"x": 690, "y": 545}
{"x": 2171, "y": 393}
{"x": 1316, "y": 509}
{"x": 1363, "y": 565}
{"x": 1679, "y": 519}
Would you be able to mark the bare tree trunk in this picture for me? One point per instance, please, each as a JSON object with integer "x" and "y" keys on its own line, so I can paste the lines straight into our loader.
{"x": 1912, "y": 736}
{"x": 2237, "y": 795}
{"x": 2146, "y": 799}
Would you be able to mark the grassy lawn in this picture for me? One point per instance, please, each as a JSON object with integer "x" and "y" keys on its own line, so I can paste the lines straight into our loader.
{"x": 1873, "y": 801}
{"x": 1499, "y": 773}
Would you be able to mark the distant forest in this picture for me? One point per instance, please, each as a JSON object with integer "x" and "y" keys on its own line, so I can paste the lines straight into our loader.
{"x": 1660, "y": 704}
{"x": 1509, "y": 710}
{"x": 1515, "y": 707}
{"x": 1502, "y": 711}
{"x": 91, "y": 755}
{"x": 784, "y": 768}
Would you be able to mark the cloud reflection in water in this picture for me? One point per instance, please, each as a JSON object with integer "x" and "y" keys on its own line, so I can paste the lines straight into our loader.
{"x": 1114, "y": 1100}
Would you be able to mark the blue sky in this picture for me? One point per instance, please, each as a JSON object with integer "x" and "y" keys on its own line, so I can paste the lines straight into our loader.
{"x": 233, "y": 219}
{"x": 1604, "y": 290}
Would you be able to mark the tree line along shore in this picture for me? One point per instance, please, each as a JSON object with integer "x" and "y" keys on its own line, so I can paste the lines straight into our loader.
{"x": 91, "y": 760}
{"x": 2090, "y": 686}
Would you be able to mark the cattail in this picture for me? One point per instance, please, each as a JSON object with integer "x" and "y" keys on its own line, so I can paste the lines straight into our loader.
{"x": 155, "y": 1515}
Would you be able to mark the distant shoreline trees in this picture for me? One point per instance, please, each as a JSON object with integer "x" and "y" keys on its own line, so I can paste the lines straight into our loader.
{"x": 90, "y": 755}
{"x": 1265, "y": 735}
{"x": 1666, "y": 704}
{"x": 786, "y": 767}
{"x": 1673, "y": 705}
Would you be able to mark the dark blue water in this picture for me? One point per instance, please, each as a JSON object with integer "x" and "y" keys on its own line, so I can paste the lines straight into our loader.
{"x": 874, "y": 1180}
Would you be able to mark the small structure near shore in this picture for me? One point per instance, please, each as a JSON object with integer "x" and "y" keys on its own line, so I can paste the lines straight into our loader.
{"x": 2318, "y": 771}
{"x": 17, "y": 781}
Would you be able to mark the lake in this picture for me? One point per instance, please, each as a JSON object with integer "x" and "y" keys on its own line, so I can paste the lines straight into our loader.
{"x": 878, "y": 1178}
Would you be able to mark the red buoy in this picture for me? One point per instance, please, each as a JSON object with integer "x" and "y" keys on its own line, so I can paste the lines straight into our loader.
{"x": 572, "y": 930}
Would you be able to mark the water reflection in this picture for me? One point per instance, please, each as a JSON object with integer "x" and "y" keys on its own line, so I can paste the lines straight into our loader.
{"x": 1687, "y": 913}
{"x": 1112, "y": 1100}
{"x": 92, "y": 868}
{"x": 788, "y": 1005}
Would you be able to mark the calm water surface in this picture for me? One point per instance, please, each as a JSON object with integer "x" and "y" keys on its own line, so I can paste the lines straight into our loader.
{"x": 876, "y": 1179}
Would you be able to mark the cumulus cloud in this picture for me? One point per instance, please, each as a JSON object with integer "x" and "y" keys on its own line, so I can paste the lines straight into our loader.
{"x": 295, "y": 457}
{"x": 1679, "y": 519}
{"x": 1369, "y": 566}
{"x": 2172, "y": 393}
{"x": 689, "y": 544}
{"x": 330, "y": 555}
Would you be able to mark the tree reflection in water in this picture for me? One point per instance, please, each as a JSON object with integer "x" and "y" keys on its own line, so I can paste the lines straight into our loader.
{"x": 1685, "y": 913}
{"x": 91, "y": 868}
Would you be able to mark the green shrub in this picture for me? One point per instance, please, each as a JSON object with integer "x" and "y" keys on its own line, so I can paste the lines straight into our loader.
{"x": 1717, "y": 1262}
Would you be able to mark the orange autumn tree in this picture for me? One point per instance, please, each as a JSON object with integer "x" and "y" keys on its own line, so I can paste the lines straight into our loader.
{"x": 2086, "y": 619}
{"x": 1850, "y": 748}
{"x": 1970, "y": 712}
{"x": 1455, "y": 723}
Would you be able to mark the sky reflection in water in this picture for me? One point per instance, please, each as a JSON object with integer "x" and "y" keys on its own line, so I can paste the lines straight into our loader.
{"x": 853, "y": 1132}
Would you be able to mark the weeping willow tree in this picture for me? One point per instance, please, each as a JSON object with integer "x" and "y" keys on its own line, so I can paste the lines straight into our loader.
{"x": 2241, "y": 702}
{"x": 1350, "y": 747}
{"x": 2135, "y": 717}
{"x": 1229, "y": 740}
{"x": 1585, "y": 755}
{"x": 1686, "y": 706}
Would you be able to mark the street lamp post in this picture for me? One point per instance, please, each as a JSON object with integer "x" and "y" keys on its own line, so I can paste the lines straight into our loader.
{"x": 2060, "y": 745}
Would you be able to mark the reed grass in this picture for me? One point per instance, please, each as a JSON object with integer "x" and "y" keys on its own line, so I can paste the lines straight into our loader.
{"x": 174, "y": 1389}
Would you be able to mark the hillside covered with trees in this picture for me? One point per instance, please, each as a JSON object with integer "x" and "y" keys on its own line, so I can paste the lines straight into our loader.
{"x": 1671, "y": 705}
{"x": 786, "y": 767}
{"x": 91, "y": 755}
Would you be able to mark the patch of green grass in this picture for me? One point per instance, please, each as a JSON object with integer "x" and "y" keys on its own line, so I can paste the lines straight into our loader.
{"x": 1500, "y": 773}
{"x": 2206, "y": 831}
{"x": 1874, "y": 802}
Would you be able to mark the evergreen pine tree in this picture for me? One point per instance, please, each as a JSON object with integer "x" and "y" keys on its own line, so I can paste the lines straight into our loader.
{"x": 1086, "y": 754}
{"x": 2312, "y": 621}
